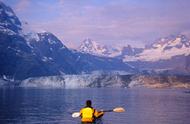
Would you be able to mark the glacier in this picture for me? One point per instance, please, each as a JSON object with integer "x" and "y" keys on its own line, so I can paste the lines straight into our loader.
{"x": 101, "y": 80}
{"x": 75, "y": 81}
{"x": 3, "y": 83}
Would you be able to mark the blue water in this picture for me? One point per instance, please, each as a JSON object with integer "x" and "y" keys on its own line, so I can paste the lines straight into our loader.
{"x": 54, "y": 106}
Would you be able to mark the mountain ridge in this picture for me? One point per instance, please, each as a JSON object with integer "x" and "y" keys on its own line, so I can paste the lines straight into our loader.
{"x": 170, "y": 54}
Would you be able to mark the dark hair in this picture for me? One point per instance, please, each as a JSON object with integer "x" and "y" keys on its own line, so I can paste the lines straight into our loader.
{"x": 88, "y": 103}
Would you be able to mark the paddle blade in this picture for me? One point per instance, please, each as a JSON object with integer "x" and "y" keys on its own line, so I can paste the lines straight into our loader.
{"x": 76, "y": 114}
{"x": 119, "y": 109}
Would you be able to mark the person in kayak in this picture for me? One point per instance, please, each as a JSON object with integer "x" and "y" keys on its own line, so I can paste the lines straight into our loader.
{"x": 89, "y": 114}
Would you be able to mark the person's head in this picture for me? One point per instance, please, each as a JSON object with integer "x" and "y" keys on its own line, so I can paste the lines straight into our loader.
{"x": 88, "y": 103}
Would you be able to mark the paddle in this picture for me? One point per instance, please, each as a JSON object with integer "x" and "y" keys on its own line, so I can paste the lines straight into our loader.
{"x": 118, "y": 109}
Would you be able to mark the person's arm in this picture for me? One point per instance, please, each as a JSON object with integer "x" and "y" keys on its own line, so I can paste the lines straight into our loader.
{"x": 81, "y": 113}
{"x": 98, "y": 114}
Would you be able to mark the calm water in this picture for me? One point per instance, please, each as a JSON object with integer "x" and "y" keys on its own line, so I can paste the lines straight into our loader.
{"x": 144, "y": 106}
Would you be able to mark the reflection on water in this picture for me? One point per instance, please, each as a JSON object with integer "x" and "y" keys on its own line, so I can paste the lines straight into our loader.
{"x": 143, "y": 106}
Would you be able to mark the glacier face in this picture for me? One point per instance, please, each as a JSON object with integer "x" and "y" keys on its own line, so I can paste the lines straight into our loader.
{"x": 77, "y": 81}
{"x": 107, "y": 81}
{"x": 100, "y": 80}
{"x": 3, "y": 83}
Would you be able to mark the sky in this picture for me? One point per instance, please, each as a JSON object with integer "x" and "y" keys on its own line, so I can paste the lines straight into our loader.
{"x": 110, "y": 22}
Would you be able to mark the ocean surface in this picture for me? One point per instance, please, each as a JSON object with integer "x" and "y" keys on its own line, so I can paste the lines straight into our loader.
{"x": 55, "y": 106}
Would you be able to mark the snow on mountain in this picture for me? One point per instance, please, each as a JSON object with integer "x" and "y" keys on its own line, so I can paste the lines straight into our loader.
{"x": 8, "y": 19}
{"x": 50, "y": 39}
{"x": 164, "y": 49}
{"x": 43, "y": 38}
{"x": 7, "y": 31}
{"x": 32, "y": 36}
{"x": 92, "y": 47}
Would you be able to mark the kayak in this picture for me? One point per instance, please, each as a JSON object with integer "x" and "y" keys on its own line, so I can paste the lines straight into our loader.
{"x": 98, "y": 121}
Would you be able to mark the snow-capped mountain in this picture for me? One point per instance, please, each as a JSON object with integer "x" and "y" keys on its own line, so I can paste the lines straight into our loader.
{"x": 172, "y": 41}
{"x": 26, "y": 54}
{"x": 165, "y": 54}
{"x": 9, "y": 23}
{"x": 16, "y": 56}
{"x": 169, "y": 54}
{"x": 92, "y": 47}
{"x": 164, "y": 49}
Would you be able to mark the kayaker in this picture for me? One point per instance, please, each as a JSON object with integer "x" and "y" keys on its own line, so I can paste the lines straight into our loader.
{"x": 89, "y": 114}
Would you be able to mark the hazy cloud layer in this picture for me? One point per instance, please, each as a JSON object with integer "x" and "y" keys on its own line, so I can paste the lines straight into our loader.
{"x": 107, "y": 21}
